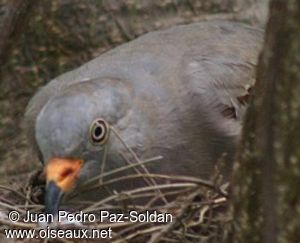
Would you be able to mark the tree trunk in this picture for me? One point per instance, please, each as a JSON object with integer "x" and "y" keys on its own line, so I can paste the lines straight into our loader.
{"x": 266, "y": 179}
{"x": 14, "y": 20}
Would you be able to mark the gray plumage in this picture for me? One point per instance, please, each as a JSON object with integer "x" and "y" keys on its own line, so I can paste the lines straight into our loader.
{"x": 178, "y": 93}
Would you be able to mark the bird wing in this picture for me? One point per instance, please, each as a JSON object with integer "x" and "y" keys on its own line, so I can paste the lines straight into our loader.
{"x": 221, "y": 75}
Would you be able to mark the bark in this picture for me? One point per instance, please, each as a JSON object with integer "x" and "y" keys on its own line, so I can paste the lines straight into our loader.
{"x": 266, "y": 195}
{"x": 16, "y": 14}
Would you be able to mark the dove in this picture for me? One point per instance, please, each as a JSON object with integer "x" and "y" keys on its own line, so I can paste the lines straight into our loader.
{"x": 180, "y": 93}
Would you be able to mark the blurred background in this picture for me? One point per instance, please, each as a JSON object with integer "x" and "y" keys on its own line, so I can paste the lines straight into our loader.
{"x": 63, "y": 34}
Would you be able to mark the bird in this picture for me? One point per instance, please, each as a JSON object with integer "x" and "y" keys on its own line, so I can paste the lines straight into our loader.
{"x": 180, "y": 93}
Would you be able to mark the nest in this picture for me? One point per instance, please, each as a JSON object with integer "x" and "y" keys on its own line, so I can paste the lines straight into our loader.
{"x": 198, "y": 207}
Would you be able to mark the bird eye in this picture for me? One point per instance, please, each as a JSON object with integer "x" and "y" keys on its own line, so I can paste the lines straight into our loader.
{"x": 99, "y": 132}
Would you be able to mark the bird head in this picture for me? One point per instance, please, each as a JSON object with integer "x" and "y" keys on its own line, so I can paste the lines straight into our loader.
{"x": 72, "y": 130}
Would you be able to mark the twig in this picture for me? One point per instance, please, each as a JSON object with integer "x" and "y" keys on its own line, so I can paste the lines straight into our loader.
{"x": 123, "y": 168}
{"x": 137, "y": 159}
{"x": 167, "y": 228}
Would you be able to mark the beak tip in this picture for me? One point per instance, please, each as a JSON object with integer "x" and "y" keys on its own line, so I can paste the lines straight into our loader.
{"x": 52, "y": 198}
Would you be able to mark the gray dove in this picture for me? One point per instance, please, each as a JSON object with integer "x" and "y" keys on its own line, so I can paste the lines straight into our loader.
{"x": 180, "y": 93}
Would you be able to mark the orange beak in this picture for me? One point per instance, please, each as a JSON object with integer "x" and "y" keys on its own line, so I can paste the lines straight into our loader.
{"x": 61, "y": 175}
